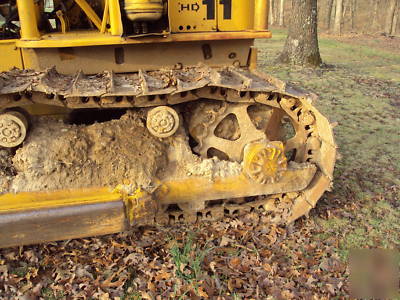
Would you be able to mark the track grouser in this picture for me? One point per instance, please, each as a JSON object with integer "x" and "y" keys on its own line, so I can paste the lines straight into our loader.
{"x": 117, "y": 114}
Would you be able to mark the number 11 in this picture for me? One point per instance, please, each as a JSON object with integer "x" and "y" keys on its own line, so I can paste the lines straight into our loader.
{"x": 211, "y": 9}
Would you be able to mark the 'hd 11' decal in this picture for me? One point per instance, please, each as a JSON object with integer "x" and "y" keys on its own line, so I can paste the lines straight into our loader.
{"x": 210, "y": 8}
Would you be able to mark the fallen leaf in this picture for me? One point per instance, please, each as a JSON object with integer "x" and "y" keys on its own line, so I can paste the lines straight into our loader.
{"x": 235, "y": 262}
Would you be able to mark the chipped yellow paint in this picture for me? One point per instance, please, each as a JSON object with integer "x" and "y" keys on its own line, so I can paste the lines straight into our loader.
{"x": 134, "y": 207}
{"x": 193, "y": 189}
{"x": 61, "y": 198}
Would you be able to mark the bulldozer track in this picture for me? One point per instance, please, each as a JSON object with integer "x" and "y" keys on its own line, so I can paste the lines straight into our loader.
{"x": 313, "y": 141}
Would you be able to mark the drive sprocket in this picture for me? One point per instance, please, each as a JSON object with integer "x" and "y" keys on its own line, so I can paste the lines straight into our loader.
{"x": 244, "y": 107}
{"x": 224, "y": 129}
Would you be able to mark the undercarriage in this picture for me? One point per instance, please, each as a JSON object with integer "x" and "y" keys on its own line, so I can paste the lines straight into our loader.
{"x": 252, "y": 143}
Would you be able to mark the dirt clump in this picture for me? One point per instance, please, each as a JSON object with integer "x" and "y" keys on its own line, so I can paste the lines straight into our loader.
{"x": 183, "y": 163}
{"x": 213, "y": 168}
{"x": 7, "y": 170}
{"x": 63, "y": 156}
{"x": 58, "y": 156}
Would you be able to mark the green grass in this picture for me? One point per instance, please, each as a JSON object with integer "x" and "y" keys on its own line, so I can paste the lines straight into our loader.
{"x": 48, "y": 294}
{"x": 374, "y": 226}
{"x": 132, "y": 296}
{"x": 188, "y": 259}
{"x": 358, "y": 89}
{"x": 21, "y": 271}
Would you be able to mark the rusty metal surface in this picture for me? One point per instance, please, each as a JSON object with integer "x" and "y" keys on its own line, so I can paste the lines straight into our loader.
{"x": 62, "y": 223}
{"x": 135, "y": 84}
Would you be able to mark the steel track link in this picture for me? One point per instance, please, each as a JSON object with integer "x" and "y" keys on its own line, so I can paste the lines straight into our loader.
{"x": 313, "y": 141}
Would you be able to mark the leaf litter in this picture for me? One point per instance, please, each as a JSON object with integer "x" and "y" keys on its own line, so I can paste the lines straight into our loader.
{"x": 244, "y": 258}
{"x": 231, "y": 258}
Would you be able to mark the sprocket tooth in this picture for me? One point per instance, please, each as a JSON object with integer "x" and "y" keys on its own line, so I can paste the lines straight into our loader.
{"x": 209, "y": 139}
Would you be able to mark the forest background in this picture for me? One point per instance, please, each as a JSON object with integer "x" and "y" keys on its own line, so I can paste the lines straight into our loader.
{"x": 346, "y": 16}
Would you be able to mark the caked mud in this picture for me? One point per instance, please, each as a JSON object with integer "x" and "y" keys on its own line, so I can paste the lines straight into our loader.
{"x": 57, "y": 155}
{"x": 234, "y": 118}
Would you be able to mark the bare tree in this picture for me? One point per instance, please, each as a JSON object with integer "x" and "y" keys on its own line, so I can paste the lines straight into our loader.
{"x": 276, "y": 11}
{"x": 301, "y": 47}
{"x": 329, "y": 13}
{"x": 281, "y": 12}
{"x": 345, "y": 7}
{"x": 390, "y": 16}
{"x": 353, "y": 13}
{"x": 337, "y": 26}
{"x": 395, "y": 19}
{"x": 375, "y": 23}
{"x": 332, "y": 17}
{"x": 271, "y": 12}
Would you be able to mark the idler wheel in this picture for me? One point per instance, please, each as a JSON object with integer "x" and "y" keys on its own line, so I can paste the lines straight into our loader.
{"x": 162, "y": 121}
{"x": 13, "y": 129}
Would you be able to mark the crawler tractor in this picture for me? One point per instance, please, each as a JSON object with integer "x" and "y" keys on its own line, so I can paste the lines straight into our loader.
{"x": 189, "y": 69}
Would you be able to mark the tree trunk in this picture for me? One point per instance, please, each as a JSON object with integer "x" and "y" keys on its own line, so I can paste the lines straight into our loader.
{"x": 333, "y": 13}
{"x": 395, "y": 19}
{"x": 345, "y": 7}
{"x": 353, "y": 12}
{"x": 276, "y": 11}
{"x": 375, "y": 16}
{"x": 271, "y": 12}
{"x": 329, "y": 14}
{"x": 281, "y": 12}
{"x": 337, "y": 26}
{"x": 301, "y": 47}
{"x": 390, "y": 16}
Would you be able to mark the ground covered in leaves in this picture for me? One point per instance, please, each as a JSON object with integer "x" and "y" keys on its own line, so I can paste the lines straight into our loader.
{"x": 359, "y": 87}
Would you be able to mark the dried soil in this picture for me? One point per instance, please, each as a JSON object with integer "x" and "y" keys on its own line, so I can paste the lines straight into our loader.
{"x": 64, "y": 156}
{"x": 7, "y": 170}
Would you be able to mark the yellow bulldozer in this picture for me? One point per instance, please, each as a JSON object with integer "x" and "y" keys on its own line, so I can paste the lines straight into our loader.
{"x": 161, "y": 96}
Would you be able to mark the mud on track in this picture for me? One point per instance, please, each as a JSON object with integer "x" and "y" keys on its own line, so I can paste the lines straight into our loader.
{"x": 57, "y": 155}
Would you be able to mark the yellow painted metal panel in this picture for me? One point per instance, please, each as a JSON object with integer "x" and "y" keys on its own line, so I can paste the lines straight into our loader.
{"x": 196, "y": 188}
{"x": 41, "y": 200}
{"x": 27, "y": 18}
{"x": 10, "y": 55}
{"x": 115, "y": 18}
{"x": 105, "y": 16}
{"x": 261, "y": 15}
{"x": 192, "y": 15}
{"x": 29, "y": 58}
{"x": 90, "y": 13}
{"x": 235, "y": 15}
{"x": 96, "y": 38}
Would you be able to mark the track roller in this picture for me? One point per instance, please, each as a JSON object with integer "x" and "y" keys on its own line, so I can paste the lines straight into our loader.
{"x": 13, "y": 129}
{"x": 162, "y": 121}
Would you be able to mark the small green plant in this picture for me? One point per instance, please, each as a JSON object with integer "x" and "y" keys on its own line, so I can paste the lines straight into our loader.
{"x": 188, "y": 259}
{"x": 48, "y": 294}
{"x": 20, "y": 271}
{"x": 132, "y": 296}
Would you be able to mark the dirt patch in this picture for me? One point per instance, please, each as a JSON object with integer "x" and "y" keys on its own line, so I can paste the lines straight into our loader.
{"x": 183, "y": 163}
{"x": 7, "y": 170}
{"x": 62, "y": 156}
